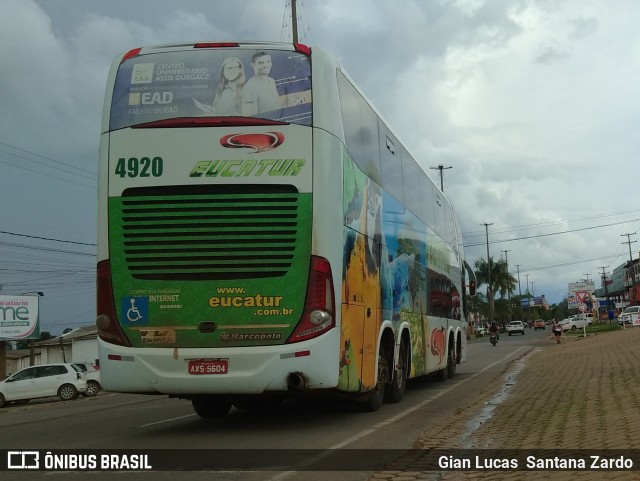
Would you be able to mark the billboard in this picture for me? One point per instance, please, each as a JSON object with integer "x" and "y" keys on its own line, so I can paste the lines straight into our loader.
{"x": 582, "y": 286}
{"x": 536, "y": 301}
{"x": 19, "y": 318}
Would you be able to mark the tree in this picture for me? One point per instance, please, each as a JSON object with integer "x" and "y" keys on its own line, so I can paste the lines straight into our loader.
{"x": 45, "y": 336}
{"x": 501, "y": 281}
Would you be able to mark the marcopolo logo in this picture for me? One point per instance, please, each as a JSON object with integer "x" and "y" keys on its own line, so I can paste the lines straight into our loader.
{"x": 258, "y": 142}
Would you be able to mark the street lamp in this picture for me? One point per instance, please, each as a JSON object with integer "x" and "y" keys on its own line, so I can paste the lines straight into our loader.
{"x": 441, "y": 168}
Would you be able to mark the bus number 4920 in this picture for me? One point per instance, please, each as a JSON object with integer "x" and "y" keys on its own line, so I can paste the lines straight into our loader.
{"x": 142, "y": 167}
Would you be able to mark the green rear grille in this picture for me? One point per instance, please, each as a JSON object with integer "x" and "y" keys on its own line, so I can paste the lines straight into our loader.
{"x": 210, "y": 232}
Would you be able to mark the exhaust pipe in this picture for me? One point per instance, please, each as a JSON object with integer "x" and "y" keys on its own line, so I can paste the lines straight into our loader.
{"x": 296, "y": 381}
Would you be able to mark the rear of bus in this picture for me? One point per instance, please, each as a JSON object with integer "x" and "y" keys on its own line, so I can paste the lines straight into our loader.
{"x": 207, "y": 280}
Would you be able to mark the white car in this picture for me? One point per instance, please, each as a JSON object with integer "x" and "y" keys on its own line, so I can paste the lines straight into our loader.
{"x": 91, "y": 374}
{"x": 514, "y": 327}
{"x": 576, "y": 323}
{"x": 62, "y": 380}
{"x": 629, "y": 314}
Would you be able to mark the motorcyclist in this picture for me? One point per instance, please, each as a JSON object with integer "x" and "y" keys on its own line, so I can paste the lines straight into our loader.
{"x": 493, "y": 329}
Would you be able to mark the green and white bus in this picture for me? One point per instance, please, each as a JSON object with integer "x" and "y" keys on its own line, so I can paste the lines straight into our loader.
{"x": 263, "y": 232}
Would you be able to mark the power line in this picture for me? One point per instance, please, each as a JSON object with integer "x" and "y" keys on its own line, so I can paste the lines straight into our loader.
{"x": 480, "y": 233}
{"x": 93, "y": 174}
{"x": 47, "y": 238}
{"x": 568, "y": 263}
{"x": 550, "y": 233}
{"x": 47, "y": 249}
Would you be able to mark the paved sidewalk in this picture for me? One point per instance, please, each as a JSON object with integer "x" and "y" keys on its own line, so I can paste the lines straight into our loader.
{"x": 581, "y": 394}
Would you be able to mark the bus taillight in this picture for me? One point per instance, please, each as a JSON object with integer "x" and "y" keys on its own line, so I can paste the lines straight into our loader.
{"x": 130, "y": 54}
{"x": 107, "y": 320}
{"x": 319, "y": 311}
{"x": 302, "y": 48}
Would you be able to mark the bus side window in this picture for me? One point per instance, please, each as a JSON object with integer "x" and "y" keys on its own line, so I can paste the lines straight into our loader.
{"x": 391, "y": 163}
{"x": 415, "y": 179}
{"x": 360, "y": 129}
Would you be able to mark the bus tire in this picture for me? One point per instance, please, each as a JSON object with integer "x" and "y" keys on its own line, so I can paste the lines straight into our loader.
{"x": 450, "y": 369}
{"x": 211, "y": 406}
{"x": 375, "y": 397}
{"x": 451, "y": 361}
{"x": 394, "y": 391}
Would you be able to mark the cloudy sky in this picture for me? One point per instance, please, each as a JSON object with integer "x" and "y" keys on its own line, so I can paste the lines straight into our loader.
{"x": 535, "y": 104}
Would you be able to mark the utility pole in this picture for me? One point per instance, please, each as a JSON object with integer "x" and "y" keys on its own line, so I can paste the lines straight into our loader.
{"x": 631, "y": 268}
{"x": 441, "y": 167}
{"x": 506, "y": 259}
{"x": 294, "y": 21}
{"x": 519, "y": 286}
{"x": 528, "y": 298}
{"x": 606, "y": 292}
{"x": 489, "y": 288}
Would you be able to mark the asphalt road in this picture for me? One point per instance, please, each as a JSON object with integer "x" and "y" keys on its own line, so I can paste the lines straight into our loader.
{"x": 321, "y": 427}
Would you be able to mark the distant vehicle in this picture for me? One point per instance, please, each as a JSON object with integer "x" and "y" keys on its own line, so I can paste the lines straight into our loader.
{"x": 576, "y": 323}
{"x": 62, "y": 380}
{"x": 539, "y": 324}
{"x": 515, "y": 327}
{"x": 629, "y": 314}
{"x": 91, "y": 374}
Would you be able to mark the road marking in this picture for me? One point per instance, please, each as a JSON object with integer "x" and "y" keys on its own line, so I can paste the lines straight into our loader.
{"x": 167, "y": 420}
{"x": 386, "y": 422}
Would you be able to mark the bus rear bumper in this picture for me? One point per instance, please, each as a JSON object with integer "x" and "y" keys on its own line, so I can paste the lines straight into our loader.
{"x": 311, "y": 364}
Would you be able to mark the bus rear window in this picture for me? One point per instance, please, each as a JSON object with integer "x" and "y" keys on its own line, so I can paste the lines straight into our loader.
{"x": 269, "y": 84}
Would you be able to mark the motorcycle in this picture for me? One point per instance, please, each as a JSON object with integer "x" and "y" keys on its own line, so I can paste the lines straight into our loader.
{"x": 493, "y": 338}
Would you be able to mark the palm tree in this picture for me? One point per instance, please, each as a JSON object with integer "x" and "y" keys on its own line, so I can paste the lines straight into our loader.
{"x": 501, "y": 281}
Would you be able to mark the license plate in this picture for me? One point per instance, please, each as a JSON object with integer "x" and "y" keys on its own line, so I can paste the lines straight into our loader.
{"x": 209, "y": 366}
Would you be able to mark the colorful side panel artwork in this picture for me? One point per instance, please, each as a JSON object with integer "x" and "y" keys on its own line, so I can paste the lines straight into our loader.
{"x": 384, "y": 278}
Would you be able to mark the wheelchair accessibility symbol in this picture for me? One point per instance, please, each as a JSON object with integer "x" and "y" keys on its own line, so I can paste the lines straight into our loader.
{"x": 135, "y": 311}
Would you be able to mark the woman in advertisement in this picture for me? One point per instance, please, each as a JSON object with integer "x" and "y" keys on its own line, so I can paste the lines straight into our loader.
{"x": 228, "y": 99}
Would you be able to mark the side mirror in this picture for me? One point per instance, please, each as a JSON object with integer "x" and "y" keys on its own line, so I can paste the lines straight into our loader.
{"x": 472, "y": 278}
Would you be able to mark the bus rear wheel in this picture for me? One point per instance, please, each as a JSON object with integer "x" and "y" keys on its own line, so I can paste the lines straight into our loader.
{"x": 450, "y": 369}
{"x": 451, "y": 361}
{"x": 211, "y": 406}
{"x": 394, "y": 391}
{"x": 375, "y": 397}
